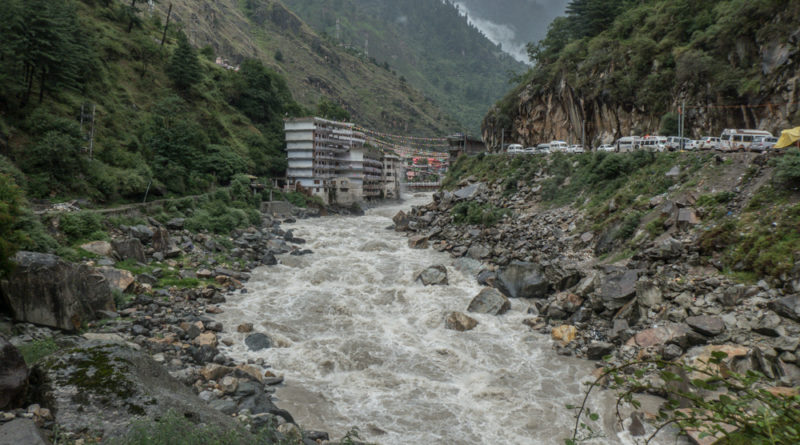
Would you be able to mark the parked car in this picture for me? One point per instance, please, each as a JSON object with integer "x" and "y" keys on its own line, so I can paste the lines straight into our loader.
{"x": 515, "y": 148}
{"x": 674, "y": 143}
{"x": 543, "y": 149}
{"x": 763, "y": 143}
{"x": 709, "y": 143}
{"x": 607, "y": 147}
{"x": 654, "y": 143}
{"x": 694, "y": 144}
{"x": 558, "y": 146}
{"x": 576, "y": 148}
{"x": 628, "y": 143}
{"x": 738, "y": 139}
{"x": 530, "y": 150}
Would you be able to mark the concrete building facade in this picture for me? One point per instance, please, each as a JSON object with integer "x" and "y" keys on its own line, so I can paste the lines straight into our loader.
{"x": 333, "y": 161}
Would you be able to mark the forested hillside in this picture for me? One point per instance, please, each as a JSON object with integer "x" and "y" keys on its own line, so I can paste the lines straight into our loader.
{"x": 314, "y": 67}
{"x": 622, "y": 67}
{"x": 163, "y": 113}
{"x": 427, "y": 42}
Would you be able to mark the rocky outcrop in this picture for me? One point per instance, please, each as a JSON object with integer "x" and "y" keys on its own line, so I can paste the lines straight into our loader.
{"x": 13, "y": 376}
{"x": 458, "y": 321}
{"x": 489, "y": 301}
{"x": 102, "y": 387}
{"x": 523, "y": 280}
{"x": 47, "y": 290}
{"x": 434, "y": 275}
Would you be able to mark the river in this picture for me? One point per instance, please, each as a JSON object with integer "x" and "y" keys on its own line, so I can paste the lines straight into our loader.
{"x": 361, "y": 344}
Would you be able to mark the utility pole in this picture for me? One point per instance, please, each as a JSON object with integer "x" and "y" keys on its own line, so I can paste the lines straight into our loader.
{"x": 502, "y": 140}
{"x": 681, "y": 111}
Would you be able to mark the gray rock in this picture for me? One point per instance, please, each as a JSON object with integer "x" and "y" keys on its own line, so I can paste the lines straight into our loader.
{"x": 599, "y": 349}
{"x": 176, "y": 223}
{"x": 401, "y": 221}
{"x": 130, "y": 248}
{"x": 468, "y": 266}
{"x": 707, "y": 325}
{"x": 479, "y": 251}
{"x": 260, "y": 403}
{"x": 146, "y": 278}
{"x": 470, "y": 191}
{"x": 225, "y": 406}
{"x": 13, "y": 376}
{"x": 489, "y": 301}
{"x": 459, "y": 322}
{"x": 269, "y": 260}
{"x": 434, "y": 275}
{"x": 648, "y": 294}
{"x": 769, "y": 324}
{"x": 523, "y": 280}
{"x": 618, "y": 289}
{"x": 671, "y": 351}
{"x": 142, "y": 233}
{"x": 46, "y": 290}
{"x": 104, "y": 387}
{"x": 788, "y": 307}
{"x": 257, "y": 341}
{"x": 21, "y": 432}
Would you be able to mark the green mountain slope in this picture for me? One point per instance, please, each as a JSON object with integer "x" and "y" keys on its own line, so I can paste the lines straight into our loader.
{"x": 623, "y": 67}
{"x": 428, "y": 42}
{"x": 313, "y": 66}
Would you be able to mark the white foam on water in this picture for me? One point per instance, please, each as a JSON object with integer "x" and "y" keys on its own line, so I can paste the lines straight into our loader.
{"x": 361, "y": 344}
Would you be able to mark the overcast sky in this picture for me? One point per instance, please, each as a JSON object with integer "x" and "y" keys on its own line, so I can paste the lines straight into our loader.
{"x": 513, "y": 23}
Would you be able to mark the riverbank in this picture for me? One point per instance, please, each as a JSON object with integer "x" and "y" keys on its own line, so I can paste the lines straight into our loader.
{"x": 132, "y": 329}
{"x": 630, "y": 263}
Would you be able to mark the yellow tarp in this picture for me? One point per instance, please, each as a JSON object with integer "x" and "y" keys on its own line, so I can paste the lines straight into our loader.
{"x": 788, "y": 137}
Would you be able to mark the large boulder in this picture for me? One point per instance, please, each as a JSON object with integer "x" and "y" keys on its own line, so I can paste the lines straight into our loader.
{"x": 117, "y": 278}
{"x": 471, "y": 191}
{"x": 45, "y": 290}
{"x": 13, "y": 375}
{"x": 707, "y": 324}
{"x": 257, "y": 341}
{"x": 129, "y": 248}
{"x": 489, "y": 301}
{"x": 434, "y": 275}
{"x": 668, "y": 333}
{"x": 102, "y": 248}
{"x": 161, "y": 241}
{"x": 401, "y": 221}
{"x": 459, "y": 322}
{"x": 21, "y": 432}
{"x": 788, "y": 307}
{"x": 522, "y": 280}
{"x": 618, "y": 288}
{"x": 102, "y": 387}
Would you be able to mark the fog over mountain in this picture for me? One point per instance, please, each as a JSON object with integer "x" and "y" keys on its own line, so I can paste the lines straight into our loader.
{"x": 513, "y": 23}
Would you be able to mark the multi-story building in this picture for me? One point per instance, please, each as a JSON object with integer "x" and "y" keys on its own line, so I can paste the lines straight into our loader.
{"x": 392, "y": 173}
{"x": 332, "y": 160}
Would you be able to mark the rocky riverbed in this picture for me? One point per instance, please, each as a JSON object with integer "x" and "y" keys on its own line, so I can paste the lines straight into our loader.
{"x": 663, "y": 300}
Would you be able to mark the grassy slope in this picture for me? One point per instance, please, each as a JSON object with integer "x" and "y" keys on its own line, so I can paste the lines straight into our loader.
{"x": 428, "y": 43}
{"x": 749, "y": 222}
{"x": 313, "y": 66}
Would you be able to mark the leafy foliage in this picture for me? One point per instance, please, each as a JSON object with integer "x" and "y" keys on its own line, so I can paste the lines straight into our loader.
{"x": 10, "y": 211}
{"x": 184, "y": 67}
{"x": 478, "y": 214}
{"x": 331, "y": 110}
{"x": 743, "y": 410}
{"x": 787, "y": 170}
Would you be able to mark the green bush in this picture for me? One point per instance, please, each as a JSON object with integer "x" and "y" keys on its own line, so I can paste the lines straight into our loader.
{"x": 787, "y": 169}
{"x": 82, "y": 225}
{"x": 477, "y": 214}
{"x": 37, "y": 349}
{"x": 10, "y": 212}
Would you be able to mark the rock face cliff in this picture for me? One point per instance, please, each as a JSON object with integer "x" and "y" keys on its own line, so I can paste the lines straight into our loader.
{"x": 608, "y": 87}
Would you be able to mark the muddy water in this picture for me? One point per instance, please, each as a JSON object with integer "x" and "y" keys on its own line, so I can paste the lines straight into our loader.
{"x": 361, "y": 344}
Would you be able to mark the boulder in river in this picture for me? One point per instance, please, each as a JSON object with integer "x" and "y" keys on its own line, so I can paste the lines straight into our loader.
{"x": 434, "y": 275}
{"x": 22, "y": 432}
{"x": 46, "y": 290}
{"x": 258, "y": 341}
{"x": 489, "y": 301}
{"x": 13, "y": 375}
{"x": 418, "y": 242}
{"x": 458, "y": 321}
{"x": 522, "y": 280}
{"x": 401, "y": 221}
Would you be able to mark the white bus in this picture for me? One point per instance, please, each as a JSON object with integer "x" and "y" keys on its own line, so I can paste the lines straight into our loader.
{"x": 735, "y": 140}
{"x": 628, "y": 143}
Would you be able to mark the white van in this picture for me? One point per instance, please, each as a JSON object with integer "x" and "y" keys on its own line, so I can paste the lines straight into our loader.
{"x": 515, "y": 148}
{"x": 543, "y": 149}
{"x": 628, "y": 143}
{"x": 674, "y": 143}
{"x": 558, "y": 146}
{"x": 734, "y": 140}
{"x": 654, "y": 143}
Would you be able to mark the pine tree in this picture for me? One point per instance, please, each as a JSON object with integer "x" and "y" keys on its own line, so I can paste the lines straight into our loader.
{"x": 184, "y": 66}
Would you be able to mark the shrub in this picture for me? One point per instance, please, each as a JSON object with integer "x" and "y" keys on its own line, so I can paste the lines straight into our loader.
{"x": 82, "y": 225}
{"x": 477, "y": 214}
{"x": 629, "y": 225}
{"x": 10, "y": 212}
{"x": 787, "y": 169}
{"x": 37, "y": 349}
